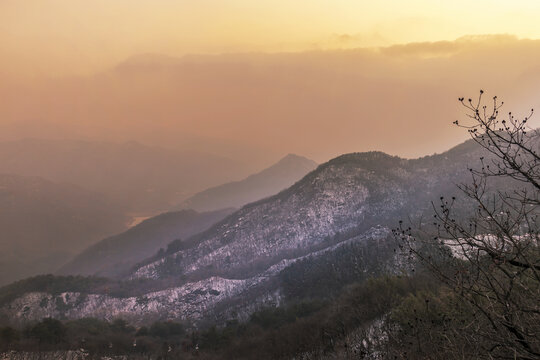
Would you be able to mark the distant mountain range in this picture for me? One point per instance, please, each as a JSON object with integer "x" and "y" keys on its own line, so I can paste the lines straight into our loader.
{"x": 268, "y": 182}
{"x": 341, "y": 210}
{"x": 116, "y": 255}
{"x": 142, "y": 178}
{"x": 43, "y": 223}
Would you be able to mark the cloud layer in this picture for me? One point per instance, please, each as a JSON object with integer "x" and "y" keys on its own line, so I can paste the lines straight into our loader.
{"x": 400, "y": 99}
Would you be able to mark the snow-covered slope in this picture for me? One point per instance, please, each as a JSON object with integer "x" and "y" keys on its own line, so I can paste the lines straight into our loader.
{"x": 192, "y": 301}
{"x": 332, "y": 199}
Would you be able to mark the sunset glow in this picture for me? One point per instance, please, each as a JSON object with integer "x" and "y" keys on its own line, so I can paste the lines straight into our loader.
{"x": 187, "y": 73}
{"x": 269, "y": 179}
{"x": 54, "y": 37}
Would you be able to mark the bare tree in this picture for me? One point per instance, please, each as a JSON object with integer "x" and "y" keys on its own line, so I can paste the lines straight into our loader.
{"x": 489, "y": 254}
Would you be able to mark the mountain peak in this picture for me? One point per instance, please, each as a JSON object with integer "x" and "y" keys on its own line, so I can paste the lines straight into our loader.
{"x": 295, "y": 160}
{"x": 293, "y": 156}
{"x": 368, "y": 159}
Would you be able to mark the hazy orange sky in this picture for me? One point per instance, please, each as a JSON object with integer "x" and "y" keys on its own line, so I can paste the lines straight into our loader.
{"x": 81, "y": 36}
{"x": 262, "y": 78}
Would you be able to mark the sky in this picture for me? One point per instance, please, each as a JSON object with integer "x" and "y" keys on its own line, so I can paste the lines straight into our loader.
{"x": 259, "y": 79}
{"x": 58, "y": 37}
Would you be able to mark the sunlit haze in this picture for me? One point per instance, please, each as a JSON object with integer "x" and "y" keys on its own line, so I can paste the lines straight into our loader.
{"x": 315, "y": 77}
{"x": 72, "y": 36}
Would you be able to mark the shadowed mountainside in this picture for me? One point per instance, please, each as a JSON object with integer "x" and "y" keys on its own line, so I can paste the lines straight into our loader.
{"x": 116, "y": 255}
{"x": 44, "y": 223}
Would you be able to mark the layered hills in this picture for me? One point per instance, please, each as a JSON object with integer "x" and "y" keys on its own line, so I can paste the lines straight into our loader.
{"x": 344, "y": 209}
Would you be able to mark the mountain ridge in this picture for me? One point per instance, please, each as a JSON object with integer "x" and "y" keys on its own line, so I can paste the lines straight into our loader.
{"x": 262, "y": 184}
